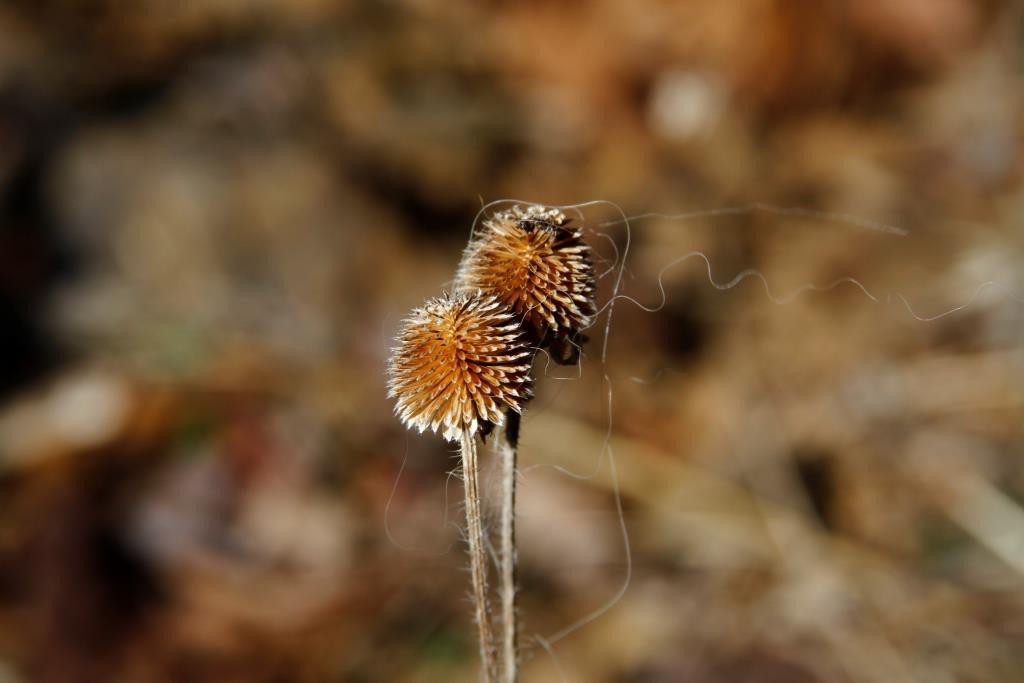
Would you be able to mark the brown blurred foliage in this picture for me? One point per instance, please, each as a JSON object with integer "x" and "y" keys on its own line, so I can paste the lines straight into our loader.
{"x": 213, "y": 215}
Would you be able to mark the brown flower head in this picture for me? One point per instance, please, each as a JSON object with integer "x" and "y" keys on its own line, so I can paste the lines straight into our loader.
{"x": 537, "y": 263}
{"x": 461, "y": 361}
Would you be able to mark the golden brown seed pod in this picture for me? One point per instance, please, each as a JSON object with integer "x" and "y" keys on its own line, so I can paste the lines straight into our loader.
{"x": 460, "y": 362}
{"x": 537, "y": 263}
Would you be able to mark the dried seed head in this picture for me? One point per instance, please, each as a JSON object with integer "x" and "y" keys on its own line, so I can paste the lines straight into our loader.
{"x": 537, "y": 263}
{"x": 461, "y": 361}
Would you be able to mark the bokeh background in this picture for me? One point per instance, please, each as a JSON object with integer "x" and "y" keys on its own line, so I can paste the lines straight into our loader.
{"x": 214, "y": 214}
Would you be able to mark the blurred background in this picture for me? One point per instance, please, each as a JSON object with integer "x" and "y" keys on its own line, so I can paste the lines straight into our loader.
{"x": 215, "y": 213}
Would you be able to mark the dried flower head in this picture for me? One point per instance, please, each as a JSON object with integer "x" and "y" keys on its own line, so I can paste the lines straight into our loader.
{"x": 461, "y": 361}
{"x": 537, "y": 263}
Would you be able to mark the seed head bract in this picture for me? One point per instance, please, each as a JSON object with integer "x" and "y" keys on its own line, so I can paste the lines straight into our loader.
{"x": 461, "y": 361}
{"x": 537, "y": 263}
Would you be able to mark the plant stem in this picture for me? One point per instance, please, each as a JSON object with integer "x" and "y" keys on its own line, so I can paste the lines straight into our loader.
{"x": 507, "y": 550}
{"x": 478, "y": 557}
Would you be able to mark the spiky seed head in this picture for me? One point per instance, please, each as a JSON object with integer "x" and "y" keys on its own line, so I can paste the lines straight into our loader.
{"x": 537, "y": 263}
{"x": 461, "y": 361}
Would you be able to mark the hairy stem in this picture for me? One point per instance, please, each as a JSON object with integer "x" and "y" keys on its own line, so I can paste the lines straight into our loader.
{"x": 478, "y": 557}
{"x": 507, "y": 551}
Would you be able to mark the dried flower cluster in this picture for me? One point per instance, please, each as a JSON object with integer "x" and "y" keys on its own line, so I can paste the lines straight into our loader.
{"x": 462, "y": 365}
{"x": 526, "y": 281}
{"x": 537, "y": 263}
{"x": 461, "y": 361}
